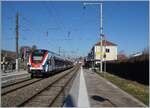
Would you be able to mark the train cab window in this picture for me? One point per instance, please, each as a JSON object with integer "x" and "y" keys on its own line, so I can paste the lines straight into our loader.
{"x": 37, "y": 56}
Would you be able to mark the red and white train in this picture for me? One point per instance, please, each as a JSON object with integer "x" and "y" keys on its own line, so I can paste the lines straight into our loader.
{"x": 43, "y": 62}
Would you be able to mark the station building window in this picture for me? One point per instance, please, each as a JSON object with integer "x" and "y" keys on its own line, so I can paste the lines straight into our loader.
{"x": 107, "y": 50}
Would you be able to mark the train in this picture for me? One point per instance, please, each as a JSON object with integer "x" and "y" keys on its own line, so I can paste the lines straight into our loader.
{"x": 43, "y": 63}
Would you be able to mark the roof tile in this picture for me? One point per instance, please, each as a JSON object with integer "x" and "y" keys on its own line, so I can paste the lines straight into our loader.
{"x": 106, "y": 43}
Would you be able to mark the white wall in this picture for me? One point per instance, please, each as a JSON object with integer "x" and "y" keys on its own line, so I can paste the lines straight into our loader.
{"x": 111, "y": 55}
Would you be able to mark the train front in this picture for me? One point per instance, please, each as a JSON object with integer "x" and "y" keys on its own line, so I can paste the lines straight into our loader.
{"x": 37, "y": 62}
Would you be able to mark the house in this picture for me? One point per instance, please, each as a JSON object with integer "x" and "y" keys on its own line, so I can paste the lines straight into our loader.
{"x": 8, "y": 55}
{"x": 108, "y": 53}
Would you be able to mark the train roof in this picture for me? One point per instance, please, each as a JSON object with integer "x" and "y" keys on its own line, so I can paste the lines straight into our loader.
{"x": 53, "y": 54}
{"x": 44, "y": 50}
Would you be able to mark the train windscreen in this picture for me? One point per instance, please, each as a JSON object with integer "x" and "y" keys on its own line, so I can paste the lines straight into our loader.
{"x": 37, "y": 56}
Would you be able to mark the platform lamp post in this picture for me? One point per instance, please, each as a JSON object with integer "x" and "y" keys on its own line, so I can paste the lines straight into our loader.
{"x": 101, "y": 32}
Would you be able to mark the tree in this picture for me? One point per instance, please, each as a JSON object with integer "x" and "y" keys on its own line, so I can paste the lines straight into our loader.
{"x": 23, "y": 50}
{"x": 121, "y": 55}
{"x": 34, "y": 47}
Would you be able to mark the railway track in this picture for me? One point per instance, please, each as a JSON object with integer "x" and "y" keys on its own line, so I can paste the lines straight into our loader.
{"x": 37, "y": 91}
{"x": 18, "y": 85}
{"x": 10, "y": 80}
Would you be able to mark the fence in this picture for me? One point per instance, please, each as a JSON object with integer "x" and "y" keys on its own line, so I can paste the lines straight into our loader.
{"x": 133, "y": 69}
{"x": 11, "y": 66}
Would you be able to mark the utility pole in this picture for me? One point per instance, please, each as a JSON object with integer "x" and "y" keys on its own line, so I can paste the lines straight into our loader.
{"x": 17, "y": 38}
{"x": 101, "y": 32}
{"x": 59, "y": 51}
{"x": 63, "y": 51}
{"x": 4, "y": 63}
{"x": 101, "y": 35}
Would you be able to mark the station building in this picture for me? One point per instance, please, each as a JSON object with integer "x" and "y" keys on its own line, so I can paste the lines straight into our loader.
{"x": 108, "y": 53}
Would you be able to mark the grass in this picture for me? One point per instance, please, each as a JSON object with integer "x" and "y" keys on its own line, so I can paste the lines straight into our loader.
{"x": 139, "y": 91}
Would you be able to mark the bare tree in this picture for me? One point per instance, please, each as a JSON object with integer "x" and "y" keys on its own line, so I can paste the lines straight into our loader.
{"x": 34, "y": 47}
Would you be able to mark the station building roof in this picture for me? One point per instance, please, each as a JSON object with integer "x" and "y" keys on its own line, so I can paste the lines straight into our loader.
{"x": 105, "y": 43}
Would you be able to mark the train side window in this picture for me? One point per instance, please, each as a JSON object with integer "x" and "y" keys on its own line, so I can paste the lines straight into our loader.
{"x": 52, "y": 61}
{"x": 49, "y": 62}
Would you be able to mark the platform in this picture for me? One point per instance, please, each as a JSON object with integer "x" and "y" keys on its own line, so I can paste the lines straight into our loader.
{"x": 102, "y": 93}
{"x": 91, "y": 90}
{"x": 13, "y": 77}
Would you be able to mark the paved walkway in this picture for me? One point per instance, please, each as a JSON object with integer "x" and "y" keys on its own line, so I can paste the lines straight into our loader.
{"x": 102, "y": 93}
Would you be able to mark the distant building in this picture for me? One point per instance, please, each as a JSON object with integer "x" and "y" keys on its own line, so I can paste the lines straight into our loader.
{"x": 82, "y": 60}
{"x": 109, "y": 52}
{"x": 7, "y": 56}
{"x": 136, "y": 54}
{"x": 7, "y": 53}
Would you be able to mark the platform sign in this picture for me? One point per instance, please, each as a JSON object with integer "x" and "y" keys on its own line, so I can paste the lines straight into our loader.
{"x": 100, "y": 53}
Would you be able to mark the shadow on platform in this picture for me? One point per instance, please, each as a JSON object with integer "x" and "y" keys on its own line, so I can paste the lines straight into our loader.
{"x": 69, "y": 102}
{"x": 101, "y": 99}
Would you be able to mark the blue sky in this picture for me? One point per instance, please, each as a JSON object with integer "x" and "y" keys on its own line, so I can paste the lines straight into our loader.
{"x": 74, "y": 28}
